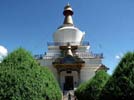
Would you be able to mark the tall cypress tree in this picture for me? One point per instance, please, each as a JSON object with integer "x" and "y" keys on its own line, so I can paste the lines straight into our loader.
{"x": 92, "y": 88}
{"x": 21, "y": 78}
{"x": 121, "y": 85}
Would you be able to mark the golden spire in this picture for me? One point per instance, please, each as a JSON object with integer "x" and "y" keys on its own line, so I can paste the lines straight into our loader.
{"x": 68, "y": 12}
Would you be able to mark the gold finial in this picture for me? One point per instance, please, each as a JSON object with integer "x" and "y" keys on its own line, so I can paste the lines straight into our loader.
{"x": 69, "y": 51}
{"x": 68, "y": 12}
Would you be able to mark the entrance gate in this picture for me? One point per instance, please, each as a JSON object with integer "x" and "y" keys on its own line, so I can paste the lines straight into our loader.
{"x": 69, "y": 83}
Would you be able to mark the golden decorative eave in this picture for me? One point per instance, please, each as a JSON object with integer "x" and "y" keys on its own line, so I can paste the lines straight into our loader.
{"x": 66, "y": 67}
{"x": 102, "y": 67}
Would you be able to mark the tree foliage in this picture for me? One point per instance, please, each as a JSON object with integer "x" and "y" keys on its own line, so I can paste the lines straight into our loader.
{"x": 91, "y": 89}
{"x": 21, "y": 78}
{"x": 121, "y": 85}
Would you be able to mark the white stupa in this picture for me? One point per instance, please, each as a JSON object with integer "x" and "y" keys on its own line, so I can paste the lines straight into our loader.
{"x": 69, "y": 57}
{"x": 68, "y": 32}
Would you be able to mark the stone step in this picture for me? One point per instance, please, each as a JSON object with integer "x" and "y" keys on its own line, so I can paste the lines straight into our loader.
{"x": 69, "y": 95}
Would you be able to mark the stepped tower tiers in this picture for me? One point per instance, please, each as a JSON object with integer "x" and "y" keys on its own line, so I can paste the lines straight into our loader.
{"x": 68, "y": 57}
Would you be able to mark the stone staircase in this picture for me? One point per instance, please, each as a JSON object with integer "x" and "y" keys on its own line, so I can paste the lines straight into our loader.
{"x": 69, "y": 95}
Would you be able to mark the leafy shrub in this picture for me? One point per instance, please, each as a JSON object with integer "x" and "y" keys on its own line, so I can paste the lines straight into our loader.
{"x": 21, "y": 78}
{"x": 91, "y": 89}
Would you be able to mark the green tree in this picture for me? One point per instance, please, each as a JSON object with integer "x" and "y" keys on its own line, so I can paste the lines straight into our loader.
{"x": 91, "y": 89}
{"x": 121, "y": 85}
{"x": 21, "y": 78}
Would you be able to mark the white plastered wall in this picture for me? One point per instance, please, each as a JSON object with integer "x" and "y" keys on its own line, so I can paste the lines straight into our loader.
{"x": 48, "y": 63}
{"x": 86, "y": 73}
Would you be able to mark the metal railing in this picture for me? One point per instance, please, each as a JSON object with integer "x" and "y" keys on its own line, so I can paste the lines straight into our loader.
{"x": 79, "y": 54}
{"x": 84, "y": 43}
{"x": 44, "y": 56}
{"x": 89, "y": 55}
{"x": 98, "y": 55}
{"x": 39, "y": 56}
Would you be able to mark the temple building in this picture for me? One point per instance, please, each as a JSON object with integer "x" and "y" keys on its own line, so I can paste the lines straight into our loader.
{"x": 69, "y": 56}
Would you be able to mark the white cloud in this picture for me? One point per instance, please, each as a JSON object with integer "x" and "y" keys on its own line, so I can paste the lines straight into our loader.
{"x": 119, "y": 56}
{"x": 3, "y": 52}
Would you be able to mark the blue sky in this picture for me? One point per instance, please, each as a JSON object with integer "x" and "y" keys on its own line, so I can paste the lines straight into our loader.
{"x": 109, "y": 25}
